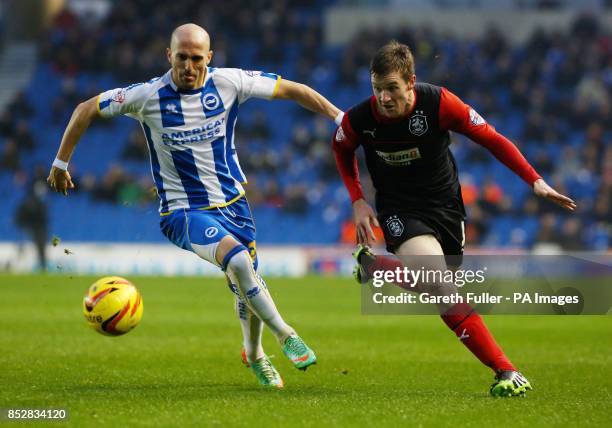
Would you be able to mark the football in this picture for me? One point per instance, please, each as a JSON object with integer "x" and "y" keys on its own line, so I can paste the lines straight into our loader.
{"x": 112, "y": 306}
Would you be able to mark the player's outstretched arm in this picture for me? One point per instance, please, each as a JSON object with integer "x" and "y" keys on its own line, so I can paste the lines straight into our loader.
{"x": 457, "y": 116}
{"x": 308, "y": 98}
{"x": 59, "y": 178}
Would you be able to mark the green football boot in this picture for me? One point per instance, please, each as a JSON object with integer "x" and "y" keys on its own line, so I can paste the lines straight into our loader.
{"x": 510, "y": 383}
{"x": 361, "y": 255}
{"x": 299, "y": 353}
{"x": 266, "y": 373}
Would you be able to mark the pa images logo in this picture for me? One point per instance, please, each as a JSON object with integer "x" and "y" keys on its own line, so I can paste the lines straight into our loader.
{"x": 418, "y": 124}
{"x": 394, "y": 226}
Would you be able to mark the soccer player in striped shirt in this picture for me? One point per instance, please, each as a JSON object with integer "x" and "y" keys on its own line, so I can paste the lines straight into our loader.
{"x": 188, "y": 117}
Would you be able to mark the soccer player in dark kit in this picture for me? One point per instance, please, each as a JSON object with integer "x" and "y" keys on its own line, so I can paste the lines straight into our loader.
{"x": 404, "y": 131}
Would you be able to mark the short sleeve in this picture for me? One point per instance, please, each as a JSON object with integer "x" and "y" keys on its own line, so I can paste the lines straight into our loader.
{"x": 128, "y": 101}
{"x": 257, "y": 84}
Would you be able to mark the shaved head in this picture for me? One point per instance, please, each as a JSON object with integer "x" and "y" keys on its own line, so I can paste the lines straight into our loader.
{"x": 189, "y": 54}
{"x": 190, "y": 34}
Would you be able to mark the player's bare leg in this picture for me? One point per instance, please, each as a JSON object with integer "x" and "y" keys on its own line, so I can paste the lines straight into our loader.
{"x": 237, "y": 263}
{"x": 424, "y": 251}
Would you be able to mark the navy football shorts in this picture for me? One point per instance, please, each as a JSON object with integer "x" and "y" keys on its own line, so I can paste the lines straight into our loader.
{"x": 447, "y": 225}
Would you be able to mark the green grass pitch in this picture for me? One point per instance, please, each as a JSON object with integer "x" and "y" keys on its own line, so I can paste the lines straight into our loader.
{"x": 181, "y": 366}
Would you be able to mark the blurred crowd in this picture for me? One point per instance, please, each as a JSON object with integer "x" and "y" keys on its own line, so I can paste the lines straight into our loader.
{"x": 552, "y": 96}
{"x": 131, "y": 41}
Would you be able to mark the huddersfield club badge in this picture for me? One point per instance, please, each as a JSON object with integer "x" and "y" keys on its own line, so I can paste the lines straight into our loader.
{"x": 394, "y": 226}
{"x": 418, "y": 124}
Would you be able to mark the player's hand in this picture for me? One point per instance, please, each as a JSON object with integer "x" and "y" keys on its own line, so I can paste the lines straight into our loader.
{"x": 364, "y": 218}
{"x": 60, "y": 180}
{"x": 542, "y": 189}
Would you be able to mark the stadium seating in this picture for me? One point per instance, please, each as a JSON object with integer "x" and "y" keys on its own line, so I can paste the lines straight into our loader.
{"x": 321, "y": 221}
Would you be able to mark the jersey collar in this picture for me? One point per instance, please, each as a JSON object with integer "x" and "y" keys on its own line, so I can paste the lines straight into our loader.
{"x": 189, "y": 91}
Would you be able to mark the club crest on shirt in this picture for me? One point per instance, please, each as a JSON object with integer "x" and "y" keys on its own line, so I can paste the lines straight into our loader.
{"x": 210, "y": 101}
{"x": 394, "y": 226}
{"x": 418, "y": 124}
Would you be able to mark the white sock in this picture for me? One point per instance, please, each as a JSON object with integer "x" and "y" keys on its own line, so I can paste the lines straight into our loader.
{"x": 255, "y": 293}
{"x": 252, "y": 328}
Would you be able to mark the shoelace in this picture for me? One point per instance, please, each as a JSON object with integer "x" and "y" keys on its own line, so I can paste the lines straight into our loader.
{"x": 518, "y": 380}
{"x": 266, "y": 369}
{"x": 296, "y": 346}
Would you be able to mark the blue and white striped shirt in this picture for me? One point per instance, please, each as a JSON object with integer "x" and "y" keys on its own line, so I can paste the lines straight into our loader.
{"x": 190, "y": 133}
